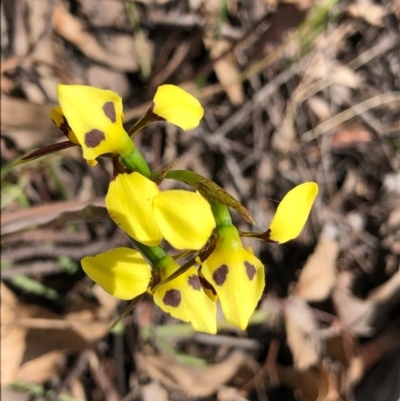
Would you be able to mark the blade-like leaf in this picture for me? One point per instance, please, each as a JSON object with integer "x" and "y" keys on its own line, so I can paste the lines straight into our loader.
{"x": 46, "y": 150}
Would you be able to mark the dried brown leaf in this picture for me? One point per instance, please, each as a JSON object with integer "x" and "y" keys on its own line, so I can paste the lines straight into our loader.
{"x": 40, "y": 369}
{"x": 77, "y": 389}
{"x": 154, "y": 392}
{"x": 189, "y": 380}
{"x": 355, "y": 314}
{"x": 345, "y": 76}
{"x": 226, "y": 70}
{"x": 28, "y": 124}
{"x": 103, "y": 77}
{"x": 376, "y": 369}
{"x": 12, "y": 337}
{"x": 320, "y": 107}
{"x": 301, "y": 331}
{"x": 318, "y": 275}
{"x": 351, "y": 135}
{"x": 57, "y": 212}
{"x": 284, "y": 139}
{"x": 309, "y": 385}
{"x": 230, "y": 394}
{"x": 32, "y": 354}
{"x": 391, "y": 231}
{"x": 90, "y": 321}
{"x": 371, "y": 13}
{"x": 361, "y": 316}
{"x": 46, "y": 347}
{"x": 124, "y": 55}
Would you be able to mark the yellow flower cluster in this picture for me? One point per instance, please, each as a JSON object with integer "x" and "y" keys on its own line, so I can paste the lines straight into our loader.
{"x": 223, "y": 270}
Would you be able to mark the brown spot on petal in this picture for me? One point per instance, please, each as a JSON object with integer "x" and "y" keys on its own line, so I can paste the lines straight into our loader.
{"x": 250, "y": 270}
{"x": 194, "y": 282}
{"x": 64, "y": 127}
{"x": 109, "y": 111}
{"x": 219, "y": 276}
{"x": 94, "y": 137}
{"x": 172, "y": 298}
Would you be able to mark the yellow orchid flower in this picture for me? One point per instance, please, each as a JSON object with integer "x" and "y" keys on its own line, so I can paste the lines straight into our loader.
{"x": 185, "y": 299}
{"x": 236, "y": 275}
{"x": 137, "y": 205}
{"x": 178, "y": 107}
{"x": 129, "y": 202}
{"x": 92, "y": 119}
{"x": 95, "y": 117}
{"x": 184, "y": 218}
{"x": 293, "y": 212}
{"x": 122, "y": 272}
{"x": 125, "y": 274}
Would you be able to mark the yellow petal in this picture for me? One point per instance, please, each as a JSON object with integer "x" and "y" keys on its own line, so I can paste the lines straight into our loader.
{"x": 236, "y": 275}
{"x": 61, "y": 122}
{"x": 293, "y": 212}
{"x": 95, "y": 116}
{"x": 122, "y": 272}
{"x": 129, "y": 203}
{"x": 178, "y": 107}
{"x": 184, "y": 218}
{"x": 184, "y": 299}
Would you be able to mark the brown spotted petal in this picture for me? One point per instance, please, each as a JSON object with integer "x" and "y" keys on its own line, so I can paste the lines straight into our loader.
{"x": 95, "y": 117}
{"x": 61, "y": 122}
{"x": 184, "y": 299}
{"x": 236, "y": 275}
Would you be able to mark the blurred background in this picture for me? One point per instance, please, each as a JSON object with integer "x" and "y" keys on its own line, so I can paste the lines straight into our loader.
{"x": 293, "y": 91}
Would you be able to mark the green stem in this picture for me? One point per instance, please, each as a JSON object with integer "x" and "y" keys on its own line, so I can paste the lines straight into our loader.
{"x": 140, "y": 124}
{"x": 154, "y": 254}
{"x": 221, "y": 214}
{"x": 148, "y": 118}
{"x": 135, "y": 161}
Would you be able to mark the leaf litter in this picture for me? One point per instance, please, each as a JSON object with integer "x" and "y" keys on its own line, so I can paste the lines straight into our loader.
{"x": 293, "y": 91}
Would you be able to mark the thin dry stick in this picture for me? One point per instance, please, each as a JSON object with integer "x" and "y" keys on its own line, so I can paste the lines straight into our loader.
{"x": 56, "y": 324}
{"x": 351, "y": 112}
{"x": 388, "y": 43}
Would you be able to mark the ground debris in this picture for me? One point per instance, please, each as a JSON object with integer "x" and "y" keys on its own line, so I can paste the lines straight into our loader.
{"x": 293, "y": 91}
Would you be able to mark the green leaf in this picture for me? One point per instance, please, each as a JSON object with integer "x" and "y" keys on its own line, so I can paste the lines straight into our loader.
{"x": 210, "y": 190}
{"x": 35, "y": 287}
{"x": 11, "y": 193}
{"x": 37, "y": 390}
{"x": 69, "y": 266}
